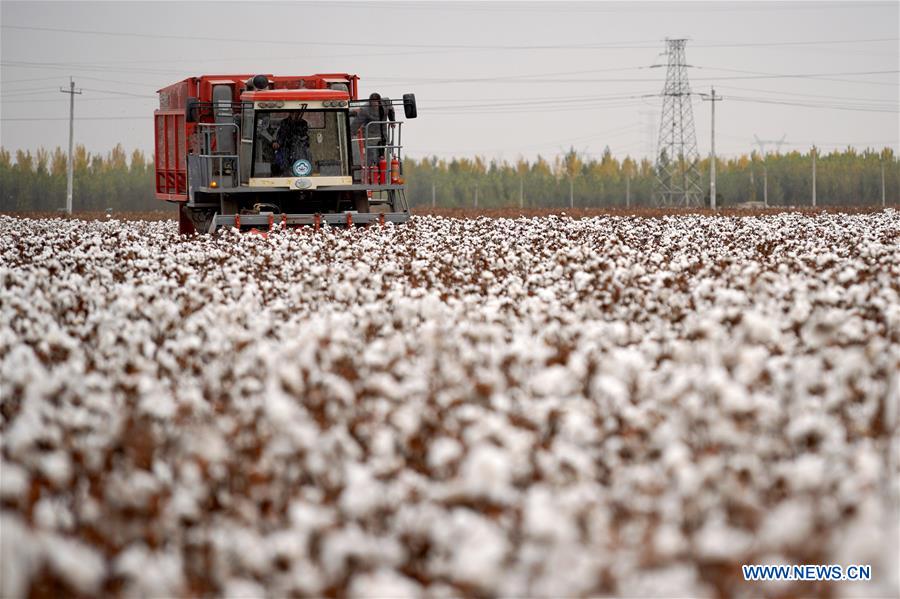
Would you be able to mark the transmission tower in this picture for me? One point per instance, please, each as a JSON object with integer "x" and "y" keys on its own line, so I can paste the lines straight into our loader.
{"x": 763, "y": 142}
{"x": 677, "y": 176}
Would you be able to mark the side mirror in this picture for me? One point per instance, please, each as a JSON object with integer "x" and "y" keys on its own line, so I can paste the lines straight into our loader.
{"x": 191, "y": 110}
{"x": 409, "y": 106}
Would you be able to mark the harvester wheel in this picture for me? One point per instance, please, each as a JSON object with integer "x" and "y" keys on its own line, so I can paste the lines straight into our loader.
{"x": 185, "y": 224}
{"x": 361, "y": 202}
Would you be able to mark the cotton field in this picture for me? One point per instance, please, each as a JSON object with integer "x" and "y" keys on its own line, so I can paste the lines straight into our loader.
{"x": 536, "y": 407}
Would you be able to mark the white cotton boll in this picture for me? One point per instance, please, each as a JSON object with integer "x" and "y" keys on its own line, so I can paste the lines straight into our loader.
{"x": 209, "y": 444}
{"x": 75, "y": 562}
{"x": 56, "y": 466}
{"x": 759, "y": 327}
{"x": 27, "y": 429}
{"x": 419, "y": 266}
{"x": 309, "y": 517}
{"x": 610, "y": 388}
{"x": 383, "y": 445}
{"x": 406, "y": 418}
{"x": 578, "y": 424}
{"x": 20, "y": 367}
{"x": 149, "y": 573}
{"x": 340, "y": 389}
{"x": 442, "y": 451}
{"x": 560, "y": 570}
{"x": 847, "y": 274}
{"x": 281, "y": 408}
{"x": 382, "y": 584}
{"x": 733, "y": 397}
{"x": 475, "y": 549}
{"x": 717, "y": 540}
{"x": 52, "y": 514}
{"x": 547, "y": 518}
{"x": 679, "y": 580}
{"x": 579, "y": 463}
{"x": 871, "y": 539}
{"x": 669, "y": 541}
{"x": 789, "y": 523}
{"x": 676, "y": 454}
{"x": 131, "y": 489}
{"x": 243, "y": 588}
{"x": 751, "y": 364}
{"x": 350, "y": 543}
{"x": 20, "y": 556}
{"x": 553, "y": 381}
{"x": 183, "y": 504}
{"x": 158, "y": 404}
{"x": 384, "y": 385}
{"x": 362, "y": 493}
{"x": 14, "y": 480}
{"x": 306, "y": 579}
{"x": 808, "y": 472}
{"x": 582, "y": 279}
{"x": 486, "y": 472}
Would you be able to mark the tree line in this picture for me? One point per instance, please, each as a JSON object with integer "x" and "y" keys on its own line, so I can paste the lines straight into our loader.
{"x": 37, "y": 181}
{"x": 122, "y": 182}
{"x": 843, "y": 177}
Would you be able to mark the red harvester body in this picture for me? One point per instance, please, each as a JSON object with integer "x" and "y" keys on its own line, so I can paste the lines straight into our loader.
{"x": 232, "y": 150}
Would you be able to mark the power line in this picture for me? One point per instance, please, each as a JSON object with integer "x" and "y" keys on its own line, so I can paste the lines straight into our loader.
{"x": 636, "y": 44}
{"x": 79, "y": 118}
{"x": 822, "y": 96}
{"x": 94, "y": 99}
{"x": 330, "y": 43}
{"x": 795, "y": 43}
{"x": 810, "y": 105}
{"x": 608, "y": 8}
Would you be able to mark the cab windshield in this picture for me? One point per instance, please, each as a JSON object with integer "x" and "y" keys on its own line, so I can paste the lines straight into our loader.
{"x": 299, "y": 143}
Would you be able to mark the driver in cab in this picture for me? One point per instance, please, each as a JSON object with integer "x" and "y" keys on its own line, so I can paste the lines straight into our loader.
{"x": 291, "y": 143}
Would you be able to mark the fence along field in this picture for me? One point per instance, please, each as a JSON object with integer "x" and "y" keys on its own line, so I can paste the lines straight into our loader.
{"x": 528, "y": 407}
{"x": 37, "y": 181}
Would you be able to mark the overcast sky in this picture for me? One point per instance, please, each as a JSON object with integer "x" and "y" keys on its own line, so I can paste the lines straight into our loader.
{"x": 502, "y": 79}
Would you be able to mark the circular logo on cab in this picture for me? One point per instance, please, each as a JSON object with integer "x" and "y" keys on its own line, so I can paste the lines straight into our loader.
{"x": 301, "y": 168}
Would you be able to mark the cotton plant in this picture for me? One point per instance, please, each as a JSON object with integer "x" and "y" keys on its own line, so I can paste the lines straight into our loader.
{"x": 549, "y": 406}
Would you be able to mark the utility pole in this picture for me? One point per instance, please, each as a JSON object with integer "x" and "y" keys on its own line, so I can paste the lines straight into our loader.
{"x": 762, "y": 150}
{"x": 521, "y": 192}
{"x": 432, "y": 195}
{"x": 71, "y": 91}
{"x": 814, "y": 176}
{"x": 882, "y": 183}
{"x": 712, "y": 147}
{"x": 571, "y": 194}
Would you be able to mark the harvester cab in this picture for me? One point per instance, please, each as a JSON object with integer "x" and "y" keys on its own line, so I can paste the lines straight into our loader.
{"x": 260, "y": 151}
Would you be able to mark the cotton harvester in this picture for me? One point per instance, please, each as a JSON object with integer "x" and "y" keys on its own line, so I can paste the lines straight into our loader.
{"x": 254, "y": 151}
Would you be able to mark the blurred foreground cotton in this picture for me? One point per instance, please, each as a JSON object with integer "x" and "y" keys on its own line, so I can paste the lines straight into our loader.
{"x": 549, "y": 406}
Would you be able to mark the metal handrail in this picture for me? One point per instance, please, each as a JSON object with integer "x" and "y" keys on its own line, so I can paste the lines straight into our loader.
{"x": 388, "y": 148}
{"x": 207, "y": 130}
